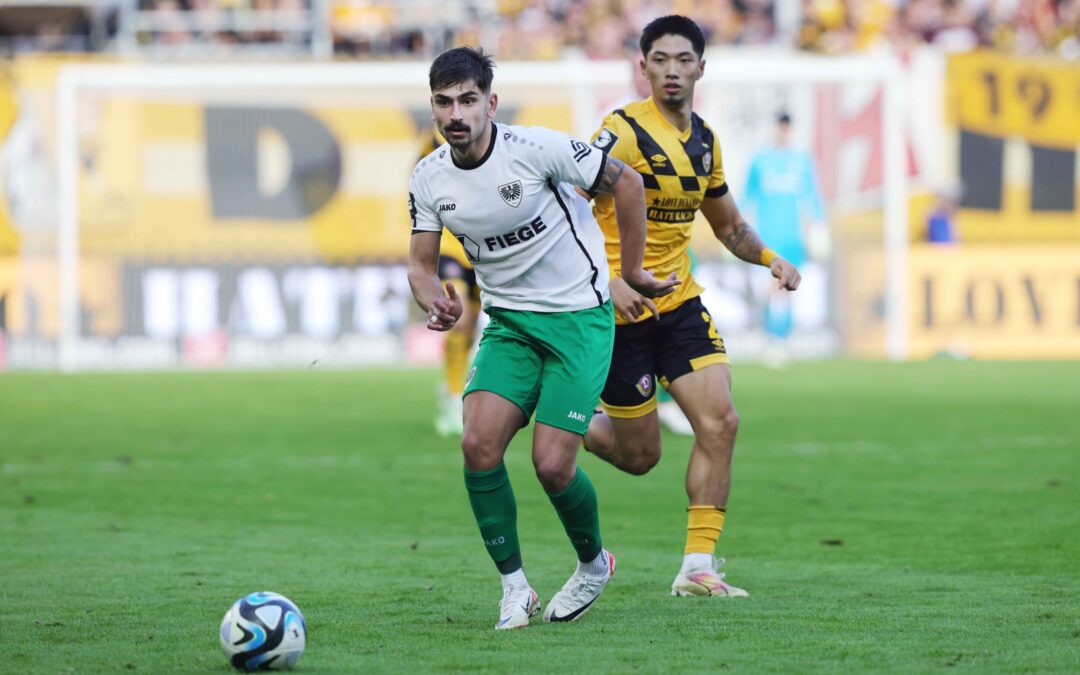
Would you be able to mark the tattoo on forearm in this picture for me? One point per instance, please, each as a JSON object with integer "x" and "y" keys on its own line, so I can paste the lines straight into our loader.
{"x": 613, "y": 168}
{"x": 744, "y": 242}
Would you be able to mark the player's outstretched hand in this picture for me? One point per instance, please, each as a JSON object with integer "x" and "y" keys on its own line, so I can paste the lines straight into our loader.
{"x": 648, "y": 285}
{"x": 787, "y": 277}
{"x": 445, "y": 312}
{"x": 629, "y": 303}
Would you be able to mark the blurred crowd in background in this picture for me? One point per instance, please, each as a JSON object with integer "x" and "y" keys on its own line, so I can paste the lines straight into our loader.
{"x": 532, "y": 29}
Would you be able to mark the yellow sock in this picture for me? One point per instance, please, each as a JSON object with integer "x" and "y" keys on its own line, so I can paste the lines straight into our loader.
{"x": 703, "y": 528}
{"x": 456, "y": 360}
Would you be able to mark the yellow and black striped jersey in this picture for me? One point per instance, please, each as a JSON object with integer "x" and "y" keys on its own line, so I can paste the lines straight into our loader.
{"x": 679, "y": 170}
{"x": 449, "y": 246}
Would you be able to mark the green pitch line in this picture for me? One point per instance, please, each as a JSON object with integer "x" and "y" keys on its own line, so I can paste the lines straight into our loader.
{"x": 915, "y": 517}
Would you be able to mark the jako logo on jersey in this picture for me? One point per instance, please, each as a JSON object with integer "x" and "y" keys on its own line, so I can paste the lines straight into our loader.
{"x": 511, "y": 193}
{"x": 515, "y": 237}
{"x": 577, "y": 417}
{"x": 644, "y": 385}
{"x": 447, "y": 207}
{"x": 605, "y": 139}
{"x": 468, "y": 379}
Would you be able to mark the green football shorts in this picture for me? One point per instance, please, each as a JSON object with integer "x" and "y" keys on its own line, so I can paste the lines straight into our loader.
{"x": 551, "y": 363}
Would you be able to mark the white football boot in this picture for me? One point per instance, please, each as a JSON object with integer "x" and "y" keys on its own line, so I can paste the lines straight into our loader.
{"x": 579, "y": 593}
{"x": 449, "y": 417}
{"x": 706, "y": 581}
{"x": 517, "y": 605}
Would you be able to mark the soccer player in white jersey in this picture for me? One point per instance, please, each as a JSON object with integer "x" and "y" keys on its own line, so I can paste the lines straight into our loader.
{"x": 507, "y": 194}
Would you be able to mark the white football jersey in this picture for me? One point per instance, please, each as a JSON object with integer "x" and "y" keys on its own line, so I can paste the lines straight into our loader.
{"x": 531, "y": 238}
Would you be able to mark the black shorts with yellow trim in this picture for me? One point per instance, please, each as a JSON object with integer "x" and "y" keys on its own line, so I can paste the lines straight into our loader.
{"x": 449, "y": 268}
{"x": 659, "y": 350}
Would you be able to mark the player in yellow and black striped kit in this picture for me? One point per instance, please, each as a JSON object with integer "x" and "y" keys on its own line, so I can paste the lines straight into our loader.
{"x": 454, "y": 266}
{"x": 674, "y": 341}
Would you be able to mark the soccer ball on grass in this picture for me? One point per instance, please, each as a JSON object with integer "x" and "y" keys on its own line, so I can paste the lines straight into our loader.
{"x": 263, "y": 631}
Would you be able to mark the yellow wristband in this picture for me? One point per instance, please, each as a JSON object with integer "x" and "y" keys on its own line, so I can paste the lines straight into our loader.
{"x": 767, "y": 256}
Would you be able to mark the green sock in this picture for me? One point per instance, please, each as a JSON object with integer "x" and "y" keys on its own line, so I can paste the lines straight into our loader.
{"x": 580, "y": 516}
{"x": 493, "y": 504}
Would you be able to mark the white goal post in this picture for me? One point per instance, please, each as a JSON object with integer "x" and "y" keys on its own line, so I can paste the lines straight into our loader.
{"x": 726, "y": 71}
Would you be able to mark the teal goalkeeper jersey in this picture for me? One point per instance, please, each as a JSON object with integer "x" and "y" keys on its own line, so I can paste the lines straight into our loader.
{"x": 782, "y": 191}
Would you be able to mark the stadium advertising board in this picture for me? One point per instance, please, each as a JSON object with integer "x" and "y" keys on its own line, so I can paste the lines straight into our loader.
{"x": 215, "y": 228}
{"x": 265, "y": 227}
{"x": 260, "y": 227}
{"x": 1017, "y": 136}
{"x": 987, "y": 301}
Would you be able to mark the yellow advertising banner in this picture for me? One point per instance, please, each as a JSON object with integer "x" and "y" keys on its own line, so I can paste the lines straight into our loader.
{"x": 995, "y": 302}
{"x": 1000, "y": 95}
{"x": 307, "y": 178}
{"x": 1017, "y": 129}
{"x": 317, "y": 173}
{"x": 9, "y": 112}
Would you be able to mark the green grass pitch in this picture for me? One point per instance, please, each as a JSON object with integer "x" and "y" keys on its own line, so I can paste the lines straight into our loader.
{"x": 921, "y": 517}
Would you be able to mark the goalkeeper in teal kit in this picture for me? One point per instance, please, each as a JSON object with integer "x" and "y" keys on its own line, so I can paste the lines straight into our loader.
{"x": 782, "y": 192}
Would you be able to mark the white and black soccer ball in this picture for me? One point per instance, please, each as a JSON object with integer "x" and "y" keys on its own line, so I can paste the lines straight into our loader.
{"x": 263, "y": 631}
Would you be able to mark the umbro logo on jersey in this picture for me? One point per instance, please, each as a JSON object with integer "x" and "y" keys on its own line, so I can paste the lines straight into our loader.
{"x": 447, "y": 207}
{"x": 605, "y": 139}
{"x": 511, "y": 193}
{"x": 658, "y": 159}
{"x": 581, "y": 151}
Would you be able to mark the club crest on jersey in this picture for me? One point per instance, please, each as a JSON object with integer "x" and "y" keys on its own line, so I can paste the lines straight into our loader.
{"x": 511, "y": 193}
{"x": 605, "y": 139}
{"x": 644, "y": 385}
{"x": 706, "y": 161}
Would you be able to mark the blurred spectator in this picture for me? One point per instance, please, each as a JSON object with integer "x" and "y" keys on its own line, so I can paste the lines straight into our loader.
{"x": 59, "y": 26}
{"x": 1025, "y": 26}
{"x": 939, "y": 223}
{"x": 215, "y": 24}
{"x": 172, "y": 27}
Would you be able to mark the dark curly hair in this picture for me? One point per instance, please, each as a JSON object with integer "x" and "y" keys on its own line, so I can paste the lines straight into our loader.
{"x": 672, "y": 25}
{"x": 462, "y": 64}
